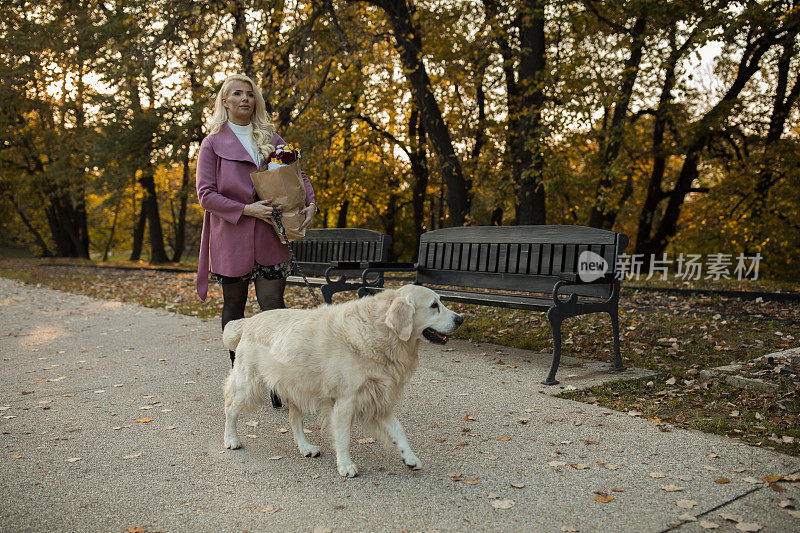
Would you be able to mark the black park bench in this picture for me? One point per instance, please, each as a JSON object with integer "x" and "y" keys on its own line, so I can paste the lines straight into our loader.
{"x": 320, "y": 247}
{"x": 519, "y": 267}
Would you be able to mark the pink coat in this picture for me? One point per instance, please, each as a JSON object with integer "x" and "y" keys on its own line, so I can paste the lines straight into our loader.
{"x": 232, "y": 243}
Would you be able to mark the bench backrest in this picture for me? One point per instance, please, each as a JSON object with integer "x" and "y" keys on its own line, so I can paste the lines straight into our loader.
{"x": 514, "y": 258}
{"x": 319, "y": 247}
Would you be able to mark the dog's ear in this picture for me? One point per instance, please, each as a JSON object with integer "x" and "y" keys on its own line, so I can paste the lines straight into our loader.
{"x": 400, "y": 317}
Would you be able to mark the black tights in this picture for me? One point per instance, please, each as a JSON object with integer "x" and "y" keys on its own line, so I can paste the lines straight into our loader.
{"x": 269, "y": 293}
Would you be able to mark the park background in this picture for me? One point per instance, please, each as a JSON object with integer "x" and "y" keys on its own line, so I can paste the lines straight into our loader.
{"x": 673, "y": 122}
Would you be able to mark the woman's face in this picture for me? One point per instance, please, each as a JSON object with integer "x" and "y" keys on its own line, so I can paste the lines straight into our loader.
{"x": 240, "y": 103}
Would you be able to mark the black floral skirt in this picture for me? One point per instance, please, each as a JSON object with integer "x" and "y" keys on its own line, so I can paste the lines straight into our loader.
{"x": 279, "y": 271}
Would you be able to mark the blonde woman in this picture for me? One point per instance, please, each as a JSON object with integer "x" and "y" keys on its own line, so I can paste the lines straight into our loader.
{"x": 237, "y": 245}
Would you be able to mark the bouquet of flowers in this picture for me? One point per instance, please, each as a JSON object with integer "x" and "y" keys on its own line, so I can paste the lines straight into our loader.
{"x": 283, "y": 154}
{"x": 281, "y": 181}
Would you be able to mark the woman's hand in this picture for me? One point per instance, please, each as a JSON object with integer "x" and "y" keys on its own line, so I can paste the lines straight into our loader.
{"x": 260, "y": 209}
{"x": 309, "y": 211}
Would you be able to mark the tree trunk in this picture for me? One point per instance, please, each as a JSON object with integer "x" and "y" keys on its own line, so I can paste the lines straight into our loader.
{"x": 409, "y": 45}
{"x": 605, "y": 209}
{"x": 528, "y": 160}
{"x": 138, "y": 235}
{"x": 241, "y": 37}
{"x": 419, "y": 169}
{"x": 700, "y": 133}
{"x": 180, "y": 229}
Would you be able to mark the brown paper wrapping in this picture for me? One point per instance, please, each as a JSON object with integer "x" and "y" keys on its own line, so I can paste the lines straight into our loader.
{"x": 286, "y": 188}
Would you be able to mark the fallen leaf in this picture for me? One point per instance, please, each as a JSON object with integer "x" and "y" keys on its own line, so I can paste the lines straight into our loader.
{"x": 611, "y": 467}
{"x": 275, "y": 457}
{"x": 523, "y": 420}
{"x": 132, "y": 455}
{"x": 671, "y": 381}
{"x": 722, "y": 480}
{"x": 470, "y": 419}
{"x": 686, "y": 517}
{"x": 672, "y": 488}
{"x": 504, "y": 437}
{"x": 492, "y": 496}
{"x": 16, "y": 456}
{"x": 579, "y": 466}
{"x": 323, "y": 529}
{"x": 657, "y": 474}
{"x": 471, "y": 481}
{"x": 73, "y": 459}
{"x": 731, "y": 517}
{"x": 772, "y": 479}
{"x": 169, "y": 428}
{"x": 786, "y": 504}
{"x": 748, "y": 526}
{"x": 251, "y": 423}
{"x": 144, "y": 420}
{"x": 251, "y": 436}
{"x": 517, "y": 485}
{"x": 569, "y": 529}
{"x": 686, "y": 504}
{"x": 557, "y": 463}
{"x": 502, "y": 504}
{"x": 269, "y": 510}
{"x": 705, "y": 524}
{"x": 617, "y": 489}
{"x": 795, "y": 514}
{"x": 602, "y": 497}
{"x": 776, "y": 487}
{"x": 134, "y": 529}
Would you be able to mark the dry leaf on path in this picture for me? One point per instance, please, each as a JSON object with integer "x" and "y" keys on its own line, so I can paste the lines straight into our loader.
{"x": 776, "y": 487}
{"x": 569, "y": 529}
{"x": 772, "y": 479}
{"x": 275, "y": 457}
{"x": 73, "y": 459}
{"x": 672, "y": 488}
{"x": 144, "y": 420}
{"x": 517, "y": 485}
{"x": 602, "y": 497}
{"x": 611, "y": 467}
{"x": 795, "y": 514}
{"x": 557, "y": 463}
{"x": 705, "y": 524}
{"x": 685, "y": 478}
{"x": 748, "y": 526}
{"x": 686, "y": 504}
{"x": 493, "y": 496}
{"x": 731, "y": 517}
{"x": 504, "y": 437}
{"x": 579, "y": 466}
{"x": 471, "y": 481}
{"x": 657, "y": 474}
{"x": 132, "y": 455}
{"x": 269, "y": 510}
{"x": 135, "y": 529}
{"x": 323, "y": 529}
{"x": 686, "y": 517}
{"x": 502, "y": 504}
{"x": 251, "y": 423}
{"x": 722, "y": 480}
{"x": 786, "y": 504}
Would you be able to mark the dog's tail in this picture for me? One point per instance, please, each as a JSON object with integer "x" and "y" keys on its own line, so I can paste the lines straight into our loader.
{"x": 232, "y": 334}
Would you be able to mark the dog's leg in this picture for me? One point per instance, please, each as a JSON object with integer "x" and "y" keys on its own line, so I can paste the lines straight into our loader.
{"x": 395, "y": 430}
{"x": 296, "y": 420}
{"x": 341, "y": 424}
{"x": 234, "y": 401}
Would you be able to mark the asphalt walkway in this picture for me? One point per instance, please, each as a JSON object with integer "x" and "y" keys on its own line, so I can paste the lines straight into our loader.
{"x": 111, "y": 418}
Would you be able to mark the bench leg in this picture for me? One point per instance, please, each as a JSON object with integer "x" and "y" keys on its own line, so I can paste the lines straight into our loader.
{"x": 555, "y": 324}
{"x": 614, "y": 314}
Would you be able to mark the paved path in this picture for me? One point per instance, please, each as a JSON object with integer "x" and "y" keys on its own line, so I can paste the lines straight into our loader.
{"x": 78, "y": 373}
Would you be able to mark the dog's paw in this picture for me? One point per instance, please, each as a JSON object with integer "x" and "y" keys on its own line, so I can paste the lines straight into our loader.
{"x": 412, "y": 461}
{"x": 232, "y": 442}
{"x": 348, "y": 469}
{"x": 309, "y": 450}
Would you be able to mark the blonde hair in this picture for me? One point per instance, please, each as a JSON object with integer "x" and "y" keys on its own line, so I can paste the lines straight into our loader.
{"x": 263, "y": 128}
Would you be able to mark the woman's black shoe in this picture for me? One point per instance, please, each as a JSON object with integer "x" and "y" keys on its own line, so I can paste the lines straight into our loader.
{"x": 276, "y": 402}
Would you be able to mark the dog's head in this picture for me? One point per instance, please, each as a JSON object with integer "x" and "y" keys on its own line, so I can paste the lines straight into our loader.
{"x": 417, "y": 310}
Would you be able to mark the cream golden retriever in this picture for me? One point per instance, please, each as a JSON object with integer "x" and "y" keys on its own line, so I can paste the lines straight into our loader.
{"x": 349, "y": 361}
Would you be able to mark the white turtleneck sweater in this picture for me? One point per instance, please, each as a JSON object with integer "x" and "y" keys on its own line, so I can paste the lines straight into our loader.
{"x": 245, "y": 136}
